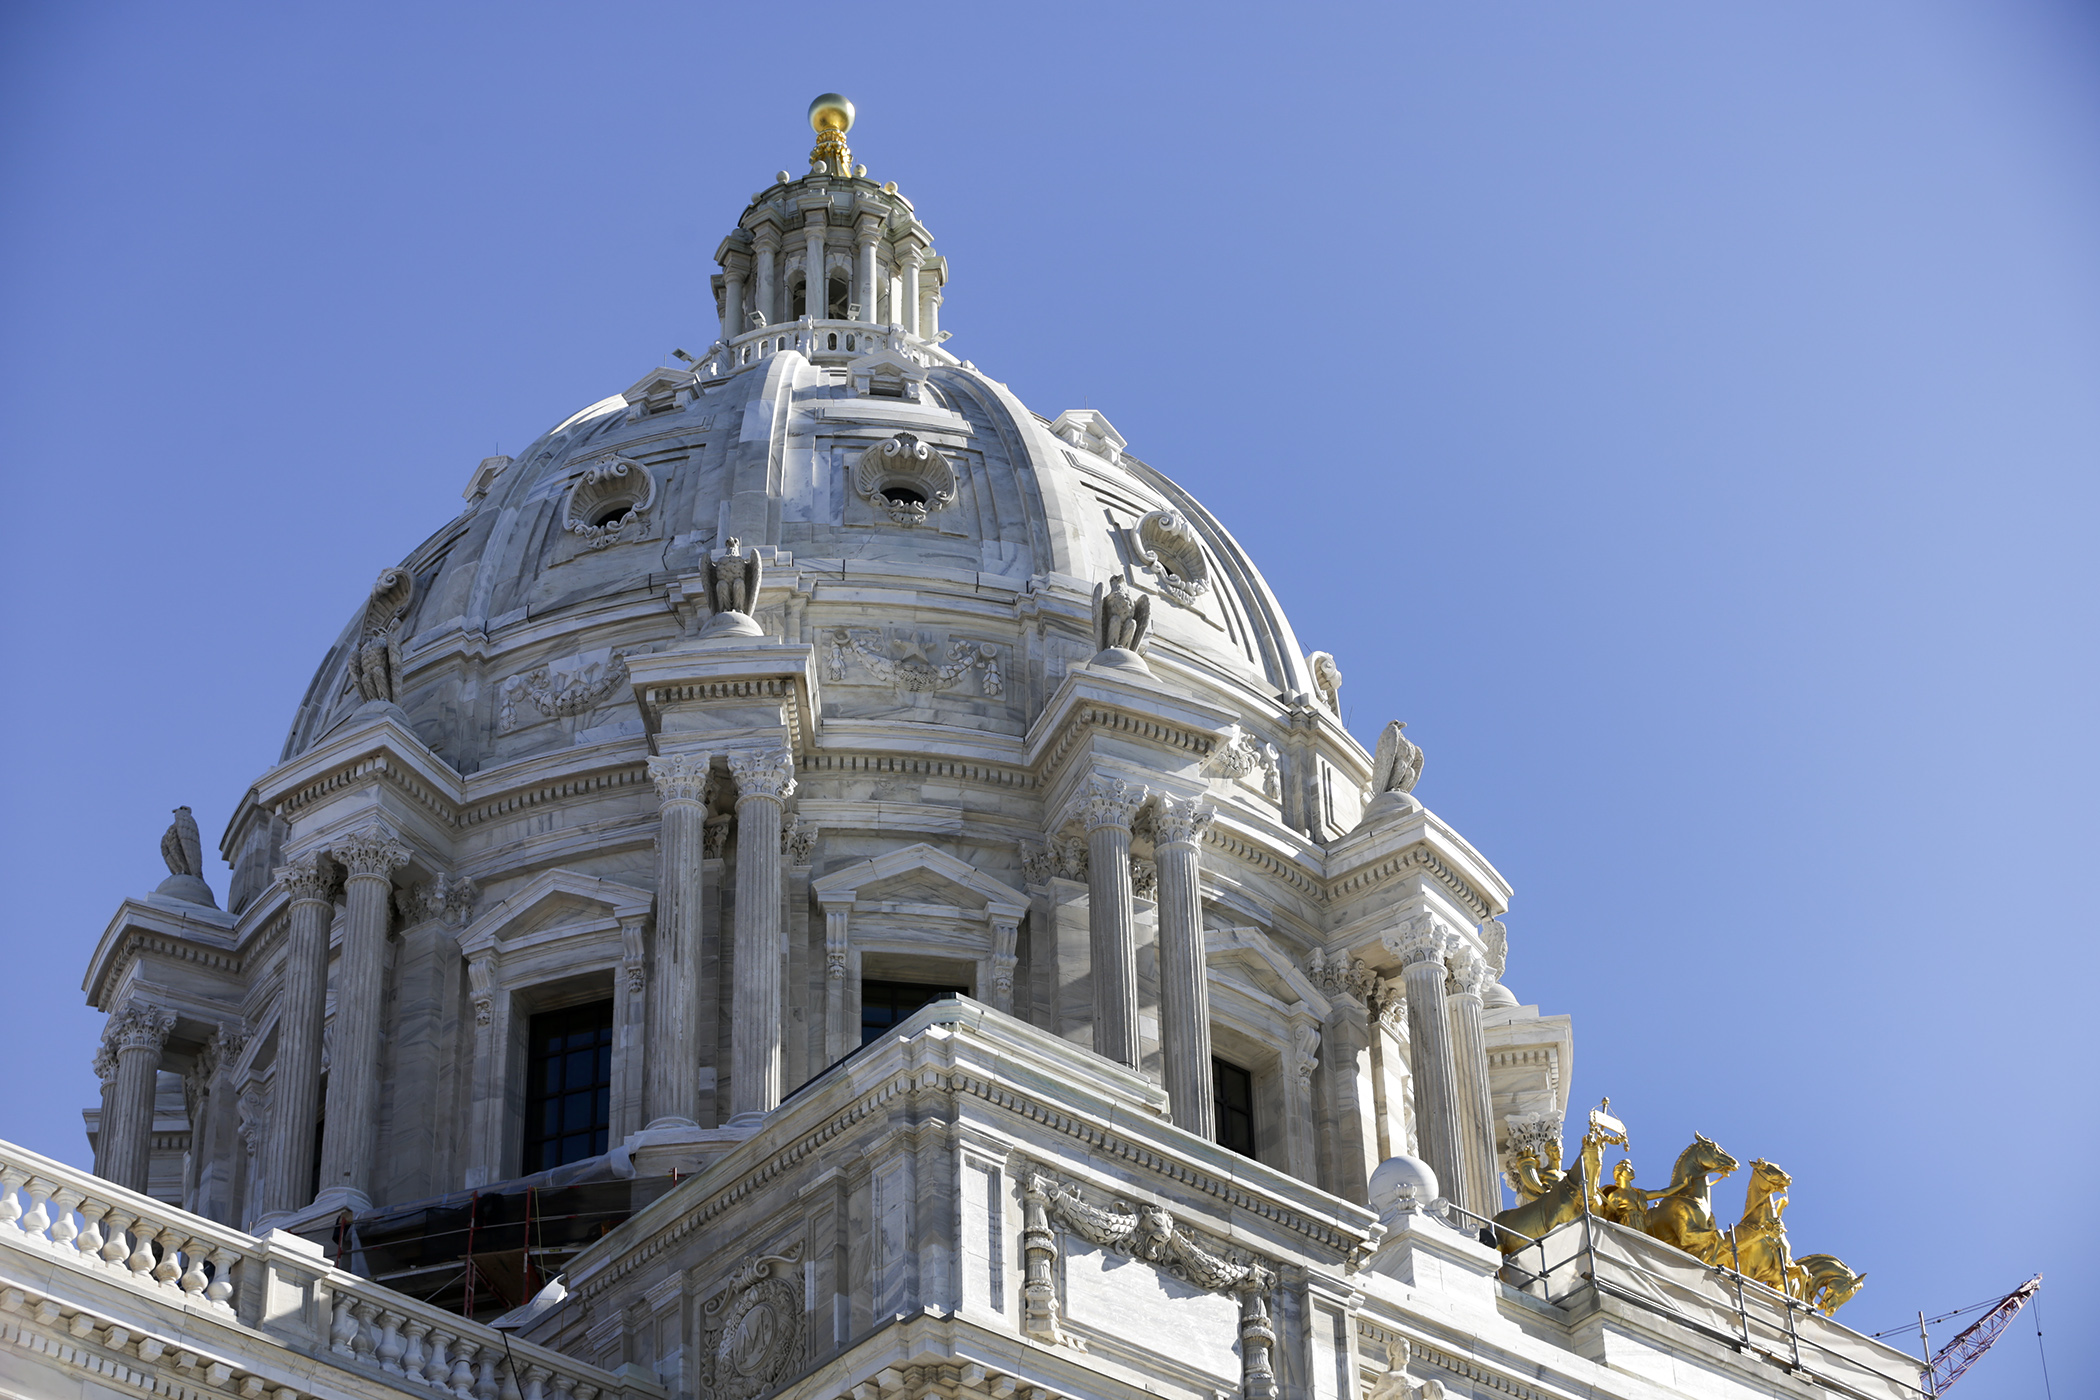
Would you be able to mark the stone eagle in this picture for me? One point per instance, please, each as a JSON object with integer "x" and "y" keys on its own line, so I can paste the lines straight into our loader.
{"x": 376, "y": 664}
{"x": 1120, "y": 619}
{"x": 181, "y": 847}
{"x": 1397, "y": 766}
{"x": 732, "y": 579}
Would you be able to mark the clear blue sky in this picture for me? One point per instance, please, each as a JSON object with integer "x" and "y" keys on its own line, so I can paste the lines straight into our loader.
{"x": 1685, "y": 416}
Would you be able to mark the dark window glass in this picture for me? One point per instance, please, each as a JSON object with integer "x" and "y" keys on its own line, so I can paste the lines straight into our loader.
{"x": 568, "y": 1108}
{"x": 837, "y": 297}
{"x": 797, "y": 299}
{"x": 1233, "y": 1090}
{"x": 884, "y": 1004}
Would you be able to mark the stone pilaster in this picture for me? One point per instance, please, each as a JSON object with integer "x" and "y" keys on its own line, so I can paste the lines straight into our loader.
{"x": 1467, "y": 977}
{"x": 673, "y": 1094}
{"x": 1421, "y": 947}
{"x": 1184, "y": 994}
{"x": 1108, "y": 805}
{"x": 816, "y": 286}
{"x": 736, "y": 273}
{"x": 765, "y": 780}
{"x": 1349, "y": 1121}
{"x": 838, "y": 948}
{"x": 135, "y": 1037}
{"x": 765, "y": 255}
{"x": 866, "y": 230}
{"x": 909, "y": 260}
{"x": 1006, "y": 934}
{"x": 350, "y": 1142}
{"x": 630, "y": 1028}
{"x": 288, "y": 1145}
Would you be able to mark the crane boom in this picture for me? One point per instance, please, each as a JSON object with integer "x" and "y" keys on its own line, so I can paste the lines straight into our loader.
{"x": 1967, "y": 1349}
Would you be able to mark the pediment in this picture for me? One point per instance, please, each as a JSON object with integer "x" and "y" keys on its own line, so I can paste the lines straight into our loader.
{"x": 1249, "y": 957}
{"x": 920, "y": 874}
{"x": 554, "y": 899}
{"x": 657, "y": 382}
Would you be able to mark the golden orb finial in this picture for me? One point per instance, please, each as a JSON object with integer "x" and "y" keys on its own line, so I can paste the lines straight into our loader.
{"x": 830, "y": 112}
{"x": 831, "y": 117}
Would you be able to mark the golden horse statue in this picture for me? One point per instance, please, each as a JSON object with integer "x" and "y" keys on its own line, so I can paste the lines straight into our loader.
{"x": 1761, "y": 1250}
{"x": 1823, "y": 1282}
{"x": 1682, "y": 1213}
{"x": 1562, "y": 1196}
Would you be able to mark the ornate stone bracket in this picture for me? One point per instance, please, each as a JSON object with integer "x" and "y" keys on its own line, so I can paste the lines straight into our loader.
{"x": 1240, "y": 755}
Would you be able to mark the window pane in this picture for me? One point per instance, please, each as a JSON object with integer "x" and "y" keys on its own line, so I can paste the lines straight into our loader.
{"x": 569, "y": 1080}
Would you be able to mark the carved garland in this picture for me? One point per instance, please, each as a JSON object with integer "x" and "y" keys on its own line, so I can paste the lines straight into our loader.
{"x": 607, "y": 499}
{"x": 909, "y": 668}
{"x": 1149, "y": 1233}
{"x": 574, "y": 695}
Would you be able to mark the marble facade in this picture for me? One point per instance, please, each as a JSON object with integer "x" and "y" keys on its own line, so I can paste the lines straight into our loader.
{"x": 817, "y": 665}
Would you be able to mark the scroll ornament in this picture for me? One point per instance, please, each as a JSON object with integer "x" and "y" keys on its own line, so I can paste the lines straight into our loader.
{"x": 1167, "y": 548}
{"x": 906, "y": 477}
{"x": 375, "y": 666}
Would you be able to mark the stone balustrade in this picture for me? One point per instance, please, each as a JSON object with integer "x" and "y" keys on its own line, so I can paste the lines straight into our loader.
{"x": 77, "y": 1253}
{"x": 818, "y": 340}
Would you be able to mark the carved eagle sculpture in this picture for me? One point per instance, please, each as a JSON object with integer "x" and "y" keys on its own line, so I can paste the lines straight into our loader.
{"x": 1121, "y": 619}
{"x": 732, "y": 579}
{"x": 1397, "y": 766}
{"x": 376, "y": 665}
{"x": 181, "y": 847}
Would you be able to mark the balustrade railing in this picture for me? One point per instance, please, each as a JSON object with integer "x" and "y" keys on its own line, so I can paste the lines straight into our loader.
{"x": 279, "y": 1284}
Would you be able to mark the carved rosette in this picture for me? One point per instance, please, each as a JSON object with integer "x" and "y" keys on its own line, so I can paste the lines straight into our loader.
{"x": 680, "y": 777}
{"x": 1181, "y": 820}
{"x": 309, "y": 877}
{"x": 753, "y": 1330}
{"x": 1110, "y": 802}
{"x": 140, "y": 1025}
{"x": 369, "y": 855}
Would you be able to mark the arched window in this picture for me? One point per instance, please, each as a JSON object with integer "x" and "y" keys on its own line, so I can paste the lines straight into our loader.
{"x": 798, "y": 299}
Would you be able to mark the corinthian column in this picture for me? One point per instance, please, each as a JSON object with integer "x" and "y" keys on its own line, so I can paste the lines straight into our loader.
{"x": 674, "y": 1064}
{"x": 764, "y": 782}
{"x": 349, "y": 1145}
{"x": 1421, "y": 948}
{"x": 1467, "y": 977}
{"x": 765, "y": 257}
{"x": 136, "y": 1035}
{"x": 1108, "y": 805}
{"x": 1184, "y": 994}
{"x": 288, "y": 1148}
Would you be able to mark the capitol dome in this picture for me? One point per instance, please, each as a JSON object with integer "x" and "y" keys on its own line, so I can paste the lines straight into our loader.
{"x": 750, "y": 712}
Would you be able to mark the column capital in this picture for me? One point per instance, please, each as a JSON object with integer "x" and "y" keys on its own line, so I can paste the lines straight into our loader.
{"x": 1425, "y": 938}
{"x": 1389, "y": 1003}
{"x": 681, "y": 777}
{"x": 369, "y": 853}
{"x": 1108, "y": 801}
{"x": 1181, "y": 820}
{"x": 766, "y": 238}
{"x": 763, "y": 773}
{"x": 308, "y": 877}
{"x": 1465, "y": 972}
{"x": 736, "y": 262}
{"x": 140, "y": 1025}
{"x": 1342, "y": 977}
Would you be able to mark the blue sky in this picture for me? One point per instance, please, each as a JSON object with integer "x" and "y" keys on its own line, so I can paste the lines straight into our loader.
{"x": 1684, "y": 416}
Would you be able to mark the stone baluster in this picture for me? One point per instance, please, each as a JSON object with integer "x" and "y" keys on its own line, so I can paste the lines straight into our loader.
{"x": 369, "y": 860}
{"x": 88, "y": 1243}
{"x": 194, "y": 1280}
{"x": 37, "y": 1219}
{"x": 536, "y": 1378}
{"x": 674, "y": 1070}
{"x": 1467, "y": 977}
{"x": 342, "y": 1329}
{"x": 437, "y": 1359}
{"x": 462, "y": 1377}
{"x": 365, "y": 1344}
{"x": 288, "y": 1144}
{"x": 1184, "y": 993}
{"x": 765, "y": 780}
{"x": 116, "y": 1238}
{"x": 63, "y": 1230}
{"x": 507, "y": 1375}
{"x": 220, "y": 1293}
{"x": 138, "y": 1032}
{"x": 12, "y": 1180}
{"x": 141, "y": 1259}
{"x": 391, "y": 1343}
{"x": 736, "y": 272}
{"x": 412, "y": 1335}
{"x": 1108, "y": 805}
{"x": 1421, "y": 948}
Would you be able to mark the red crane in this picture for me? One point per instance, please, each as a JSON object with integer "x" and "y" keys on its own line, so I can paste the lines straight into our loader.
{"x": 1967, "y": 1349}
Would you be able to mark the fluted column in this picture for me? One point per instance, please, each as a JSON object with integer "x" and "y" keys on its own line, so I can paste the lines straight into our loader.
{"x": 674, "y": 1061}
{"x": 1421, "y": 948}
{"x": 736, "y": 272}
{"x": 817, "y": 287}
{"x": 288, "y": 1146}
{"x": 136, "y": 1035}
{"x": 866, "y": 231}
{"x": 1184, "y": 992}
{"x": 350, "y": 1144}
{"x": 764, "y": 782}
{"x": 1466, "y": 978}
{"x": 1108, "y": 805}
{"x": 909, "y": 261}
{"x": 765, "y": 253}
